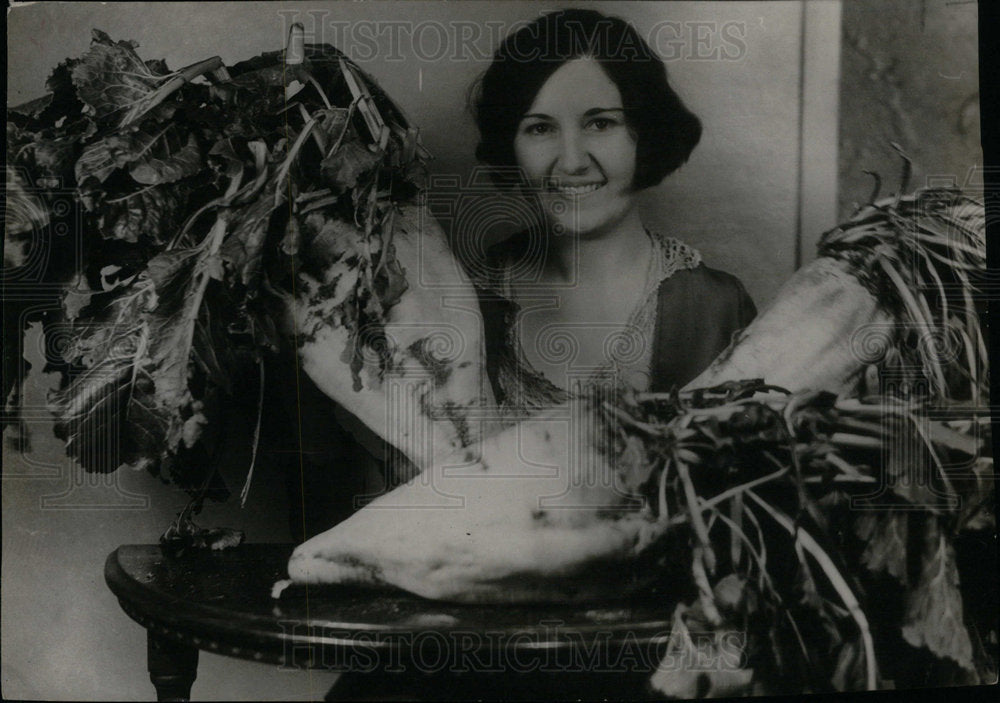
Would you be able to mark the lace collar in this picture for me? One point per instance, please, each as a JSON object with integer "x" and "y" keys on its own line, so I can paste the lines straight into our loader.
{"x": 669, "y": 256}
{"x": 524, "y": 389}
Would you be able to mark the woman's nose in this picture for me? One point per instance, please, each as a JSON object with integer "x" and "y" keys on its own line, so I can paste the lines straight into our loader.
{"x": 573, "y": 156}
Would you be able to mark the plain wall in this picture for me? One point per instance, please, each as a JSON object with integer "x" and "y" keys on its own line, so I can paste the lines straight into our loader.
{"x": 738, "y": 200}
{"x": 911, "y": 77}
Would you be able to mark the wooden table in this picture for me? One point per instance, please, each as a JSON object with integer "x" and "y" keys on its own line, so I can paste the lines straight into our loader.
{"x": 390, "y": 643}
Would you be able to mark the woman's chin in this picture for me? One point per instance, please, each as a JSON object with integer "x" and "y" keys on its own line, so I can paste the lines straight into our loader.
{"x": 583, "y": 227}
{"x": 582, "y": 219}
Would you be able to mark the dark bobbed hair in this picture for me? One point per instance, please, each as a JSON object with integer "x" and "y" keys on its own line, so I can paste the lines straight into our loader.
{"x": 666, "y": 131}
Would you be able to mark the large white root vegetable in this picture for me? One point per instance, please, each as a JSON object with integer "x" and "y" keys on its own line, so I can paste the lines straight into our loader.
{"x": 529, "y": 518}
{"x": 516, "y": 523}
{"x": 425, "y": 401}
{"x": 809, "y": 337}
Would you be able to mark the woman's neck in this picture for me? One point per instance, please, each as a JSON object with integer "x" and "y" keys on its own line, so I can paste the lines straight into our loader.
{"x": 599, "y": 258}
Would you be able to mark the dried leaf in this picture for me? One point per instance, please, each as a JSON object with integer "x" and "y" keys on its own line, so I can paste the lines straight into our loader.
{"x": 632, "y": 467}
{"x": 151, "y": 215}
{"x": 161, "y": 163}
{"x": 885, "y": 534}
{"x": 170, "y": 270}
{"x": 849, "y": 672}
{"x": 224, "y": 153}
{"x": 391, "y": 283}
{"x": 25, "y": 211}
{"x": 111, "y": 78}
{"x": 701, "y": 662}
{"x": 184, "y": 535}
{"x": 76, "y": 297}
{"x": 243, "y": 249}
{"x": 109, "y": 402}
{"x": 344, "y": 167}
{"x": 101, "y": 158}
{"x": 934, "y": 605}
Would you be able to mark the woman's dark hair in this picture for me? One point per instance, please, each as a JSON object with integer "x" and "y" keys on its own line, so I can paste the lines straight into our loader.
{"x": 666, "y": 131}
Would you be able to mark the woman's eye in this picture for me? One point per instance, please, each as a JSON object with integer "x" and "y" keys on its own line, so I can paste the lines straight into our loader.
{"x": 601, "y": 123}
{"x": 538, "y": 129}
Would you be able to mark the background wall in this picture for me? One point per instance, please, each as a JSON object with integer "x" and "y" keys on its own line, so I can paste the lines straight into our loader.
{"x": 910, "y": 76}
{"x": 760, "y": 187}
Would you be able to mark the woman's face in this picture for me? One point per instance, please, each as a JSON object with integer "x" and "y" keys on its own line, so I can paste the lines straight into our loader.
{"x": 577, "y": 150}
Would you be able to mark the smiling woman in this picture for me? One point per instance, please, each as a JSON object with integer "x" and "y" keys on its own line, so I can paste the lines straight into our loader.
{"x": 576, "y": 113}
{"x": 580, "y": 157}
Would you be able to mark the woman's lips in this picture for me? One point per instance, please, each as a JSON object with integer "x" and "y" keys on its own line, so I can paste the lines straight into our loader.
{"x": 580, "y": 189}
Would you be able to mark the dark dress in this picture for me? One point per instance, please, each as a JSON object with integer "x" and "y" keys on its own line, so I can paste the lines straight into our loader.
{"x": 698, "y": 310}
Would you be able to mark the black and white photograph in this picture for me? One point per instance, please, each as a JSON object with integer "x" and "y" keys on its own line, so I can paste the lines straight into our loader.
{"x": 392, "y": 350}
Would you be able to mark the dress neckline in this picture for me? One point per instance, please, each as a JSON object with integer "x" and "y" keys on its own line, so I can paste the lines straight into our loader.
{"x": 524, "y": 387}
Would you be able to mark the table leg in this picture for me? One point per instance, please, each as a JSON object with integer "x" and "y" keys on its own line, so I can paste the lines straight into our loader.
{"x": 172, "y": 667}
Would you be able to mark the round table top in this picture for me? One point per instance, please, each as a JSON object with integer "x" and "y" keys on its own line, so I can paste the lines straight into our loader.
{"x": 221, "y": 602}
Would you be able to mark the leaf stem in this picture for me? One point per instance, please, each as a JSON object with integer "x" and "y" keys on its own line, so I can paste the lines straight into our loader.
{"x": 697, "y": 521}
{"x": 743, "y": 487}
{"x": 185, "y": 75}
{"x": 256, "y": 436}
{"x": 289, "y": 158}
{"x": 803, "y": 538}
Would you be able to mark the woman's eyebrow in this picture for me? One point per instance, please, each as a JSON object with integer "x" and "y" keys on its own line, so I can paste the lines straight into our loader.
{"x": 596, "y": 110}
{"x": 588, "y": 113}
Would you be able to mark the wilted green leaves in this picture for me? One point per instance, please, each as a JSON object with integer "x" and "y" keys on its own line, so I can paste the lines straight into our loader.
{"x": 194, "y": 228}
{"x": 778, "y": 477}
{"x": 111, "y": 79}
